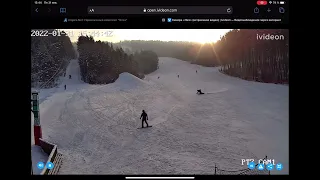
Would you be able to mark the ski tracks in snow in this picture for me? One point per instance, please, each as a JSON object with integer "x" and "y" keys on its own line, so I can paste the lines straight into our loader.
{"x": 190, "y": 134}
{"x": 219, "y": 91}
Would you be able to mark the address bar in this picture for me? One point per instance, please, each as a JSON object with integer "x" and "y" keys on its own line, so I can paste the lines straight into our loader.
{"x": 160, "y": 10}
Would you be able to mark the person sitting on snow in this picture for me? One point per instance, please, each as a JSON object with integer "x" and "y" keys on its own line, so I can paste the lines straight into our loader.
{"x": 199, "y": 91}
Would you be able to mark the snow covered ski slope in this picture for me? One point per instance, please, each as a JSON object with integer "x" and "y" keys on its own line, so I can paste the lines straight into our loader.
{"x": 95, "y": 126}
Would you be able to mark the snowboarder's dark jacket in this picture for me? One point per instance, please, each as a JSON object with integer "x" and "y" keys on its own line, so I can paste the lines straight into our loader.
{"x": 144, "y": 116}
{"x": 199, "y": 91}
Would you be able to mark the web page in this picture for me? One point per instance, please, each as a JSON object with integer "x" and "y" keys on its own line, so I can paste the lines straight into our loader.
{"x": 160, "y": 91}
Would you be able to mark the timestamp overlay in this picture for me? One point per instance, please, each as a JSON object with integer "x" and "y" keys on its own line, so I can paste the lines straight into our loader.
{"x": 95, "y": 33}
{"x": 46, "y": 33}
{"x": 73, "y": 34}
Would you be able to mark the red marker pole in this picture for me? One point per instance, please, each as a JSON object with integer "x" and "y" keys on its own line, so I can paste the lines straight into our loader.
{"x": 36, "y": 114}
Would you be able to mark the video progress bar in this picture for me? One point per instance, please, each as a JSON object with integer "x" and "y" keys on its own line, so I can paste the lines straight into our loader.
{"x": 159, "y": 177}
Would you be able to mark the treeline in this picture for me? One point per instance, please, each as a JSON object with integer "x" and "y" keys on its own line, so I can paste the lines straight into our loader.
{"x": 148, "y": 61}
{"x": 252, "y": 54}
{"x": 176, "y": 49}
{"x": 49, "y": 58}
{"x": 188, "y": 51}
{"x": 101, "y": 62}
{"x": 256, "y": 54}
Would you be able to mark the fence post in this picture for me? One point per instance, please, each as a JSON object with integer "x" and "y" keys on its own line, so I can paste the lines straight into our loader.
{"x": 215, "y": 169}
{"x": 36, "y": 115}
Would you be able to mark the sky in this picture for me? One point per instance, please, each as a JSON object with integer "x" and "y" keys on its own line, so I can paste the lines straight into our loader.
{"x": 116, "y": 35}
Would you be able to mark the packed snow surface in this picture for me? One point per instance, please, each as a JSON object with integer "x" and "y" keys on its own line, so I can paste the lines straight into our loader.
{"x": 37, "y": 155}
{"x": 95, "y": 126}
{"x": 127, "y": 81}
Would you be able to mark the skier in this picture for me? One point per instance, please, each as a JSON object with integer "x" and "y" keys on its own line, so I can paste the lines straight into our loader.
{"x": 199, "y": 91}
{"x": 65, "y": 87}
{"x": 158, "y": 77}
{"x": 69, "y": 76}
{"x": 144, "y": 117}
{"x": 178, "y": 75}
{"x": 196, "y": 71}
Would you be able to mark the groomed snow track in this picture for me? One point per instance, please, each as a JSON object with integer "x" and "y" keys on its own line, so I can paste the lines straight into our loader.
{"x": 95, "y": 126}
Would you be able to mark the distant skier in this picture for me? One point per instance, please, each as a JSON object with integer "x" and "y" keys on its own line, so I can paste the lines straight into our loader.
{"x": 196, "y": 71}
{"x": 65, "y": 87}
{"x": 199, "y": 91}
{"x": 178, "y": 75}
{"x": 158, "y": 77}
{"x": 144, "y": 117}
{"x": 69, "y": 76}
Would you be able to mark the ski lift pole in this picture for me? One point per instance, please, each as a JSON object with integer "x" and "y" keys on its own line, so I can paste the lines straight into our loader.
{"x": 36, "y": 115}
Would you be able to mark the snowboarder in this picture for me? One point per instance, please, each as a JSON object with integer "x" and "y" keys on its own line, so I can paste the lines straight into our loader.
{"x": 144, "y": 117}
{"x": 199, "y": 91}
{"x": 69, "y": 76}
{"x": 65, "y": 87}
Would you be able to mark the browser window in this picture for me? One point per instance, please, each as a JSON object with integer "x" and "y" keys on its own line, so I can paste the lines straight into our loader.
{"x": 160, "y": 91}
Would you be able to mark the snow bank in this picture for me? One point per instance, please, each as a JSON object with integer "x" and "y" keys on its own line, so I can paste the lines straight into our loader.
{"x": 127, "y": 81}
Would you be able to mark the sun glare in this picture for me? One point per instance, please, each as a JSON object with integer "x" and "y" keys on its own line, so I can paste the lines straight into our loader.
{"x": 203, "y": 41}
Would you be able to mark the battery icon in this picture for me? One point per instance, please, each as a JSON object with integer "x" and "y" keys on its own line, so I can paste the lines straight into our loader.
{"x": 282, "y": 2}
